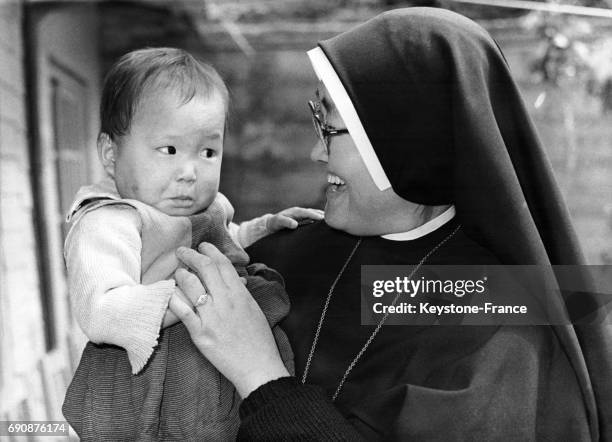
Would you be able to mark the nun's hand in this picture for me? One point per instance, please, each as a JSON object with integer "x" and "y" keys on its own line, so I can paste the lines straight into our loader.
{"x": 227, "y": 326}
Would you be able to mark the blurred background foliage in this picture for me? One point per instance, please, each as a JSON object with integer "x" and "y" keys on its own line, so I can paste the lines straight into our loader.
{"x": 55, "y": 53}
{"x": 562, "y": 63}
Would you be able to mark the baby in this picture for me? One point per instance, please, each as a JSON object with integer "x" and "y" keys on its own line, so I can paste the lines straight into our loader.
{"x": 163, "y": 120}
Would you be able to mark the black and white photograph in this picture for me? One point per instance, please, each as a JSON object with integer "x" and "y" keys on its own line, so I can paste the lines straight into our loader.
{"x": 306, "y": 220}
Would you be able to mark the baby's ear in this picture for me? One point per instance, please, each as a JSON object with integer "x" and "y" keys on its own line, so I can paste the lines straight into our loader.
{"x": 107, "y": 151}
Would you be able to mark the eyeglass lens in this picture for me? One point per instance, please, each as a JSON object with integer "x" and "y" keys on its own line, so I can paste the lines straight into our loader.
{"x": 318, "y": 123}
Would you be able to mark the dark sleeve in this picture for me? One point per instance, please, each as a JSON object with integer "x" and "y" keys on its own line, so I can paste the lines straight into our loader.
{"x": 286, "y": 410}
{"x": 267, "y": 288}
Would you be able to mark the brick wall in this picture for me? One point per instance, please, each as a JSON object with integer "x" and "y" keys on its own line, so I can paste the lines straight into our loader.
{"x": 21, "y": 333}
{"x": 33, "y": 378}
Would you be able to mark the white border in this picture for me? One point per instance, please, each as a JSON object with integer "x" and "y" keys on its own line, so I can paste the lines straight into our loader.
{"x": 326, "y": 73}
{"x": 426, "y": 228}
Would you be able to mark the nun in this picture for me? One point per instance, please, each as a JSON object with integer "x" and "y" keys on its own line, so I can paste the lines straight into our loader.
{"x": 431, "y": 160}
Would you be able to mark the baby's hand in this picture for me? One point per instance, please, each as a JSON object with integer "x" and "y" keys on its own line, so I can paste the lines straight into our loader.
{"x": 289, "y": 218}
{"x": 253, "y": 230}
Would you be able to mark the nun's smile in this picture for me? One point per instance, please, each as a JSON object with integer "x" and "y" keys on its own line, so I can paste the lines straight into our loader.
{"x": 335, "y": 183}
{"x": 350, "y": 191}
{"x": 354, "y": 203}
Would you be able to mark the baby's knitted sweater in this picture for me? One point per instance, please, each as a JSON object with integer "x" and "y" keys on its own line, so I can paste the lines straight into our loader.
{"x": 120, "y": 257}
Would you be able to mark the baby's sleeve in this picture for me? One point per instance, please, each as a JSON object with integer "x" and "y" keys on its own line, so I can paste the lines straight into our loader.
{"x": 102, "y": 255}
{"x": 247, "y": 232}
{"x": 251, "y": 231}
{"x": 268, "y": 289}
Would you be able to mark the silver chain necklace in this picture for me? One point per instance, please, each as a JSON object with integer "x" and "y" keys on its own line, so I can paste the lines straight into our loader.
{"x": 315, "y": 340}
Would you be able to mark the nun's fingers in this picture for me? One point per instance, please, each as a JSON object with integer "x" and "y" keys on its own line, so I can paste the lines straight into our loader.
{"x": 192, "y": 288}
{"x": 225, "y": 267}
{"x": 185, "y": 313}
{"x": 206, "y": 269}
{"x": 182, "y": 294}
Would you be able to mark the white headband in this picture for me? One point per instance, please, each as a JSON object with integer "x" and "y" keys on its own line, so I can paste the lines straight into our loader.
{"x": 326, "y": 74}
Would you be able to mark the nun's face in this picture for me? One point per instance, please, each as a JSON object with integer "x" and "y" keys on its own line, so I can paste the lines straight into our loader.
{"x": 354, "y": 202}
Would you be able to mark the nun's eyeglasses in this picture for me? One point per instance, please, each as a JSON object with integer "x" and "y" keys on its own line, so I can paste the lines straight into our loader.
{"x": 324, "y": 131}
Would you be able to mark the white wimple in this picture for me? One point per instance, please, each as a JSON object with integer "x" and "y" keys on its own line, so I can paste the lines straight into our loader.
{"x": 326, "y": 73}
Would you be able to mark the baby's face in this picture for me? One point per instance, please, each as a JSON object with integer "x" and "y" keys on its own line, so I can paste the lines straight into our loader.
{"x": 171, "y": 157}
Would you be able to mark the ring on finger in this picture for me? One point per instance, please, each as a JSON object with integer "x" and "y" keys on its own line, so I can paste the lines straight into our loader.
{"x": 202, "y": 299}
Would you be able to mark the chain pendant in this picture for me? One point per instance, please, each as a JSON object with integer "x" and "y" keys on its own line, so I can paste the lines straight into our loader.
{"x": 315, "y": 340}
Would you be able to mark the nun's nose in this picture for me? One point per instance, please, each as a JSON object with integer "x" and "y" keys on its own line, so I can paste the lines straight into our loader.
{"x": 318, "y": 153}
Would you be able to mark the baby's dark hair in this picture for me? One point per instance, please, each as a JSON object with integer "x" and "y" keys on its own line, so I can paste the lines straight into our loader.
{"x": 135, "y": 72}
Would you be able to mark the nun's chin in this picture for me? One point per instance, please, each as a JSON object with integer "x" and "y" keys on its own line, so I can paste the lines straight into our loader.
{"x": 333, "y": 189}
{"x": 337, "y": 211}
{"x": 335, "y": 216}
{"x": 340, "y": 222}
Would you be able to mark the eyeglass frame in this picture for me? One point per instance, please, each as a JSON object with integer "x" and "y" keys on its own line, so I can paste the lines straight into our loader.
{"x": 323, "y": 130}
